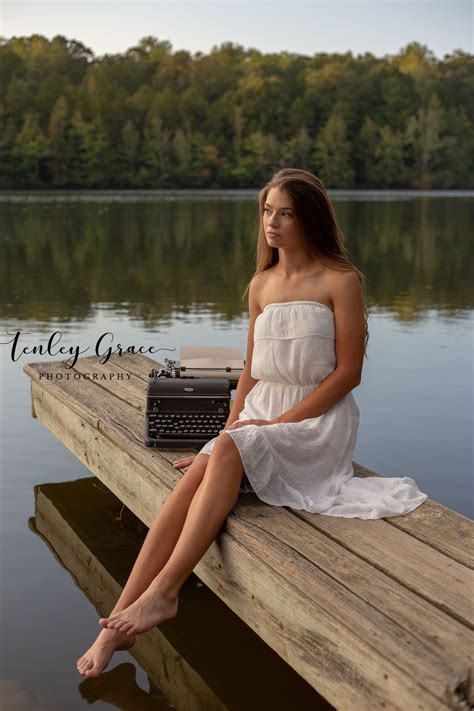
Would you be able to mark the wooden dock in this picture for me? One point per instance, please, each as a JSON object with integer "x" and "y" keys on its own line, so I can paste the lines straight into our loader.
{"x": 372, "y": 614}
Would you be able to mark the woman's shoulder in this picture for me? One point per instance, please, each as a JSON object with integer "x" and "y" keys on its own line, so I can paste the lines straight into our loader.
{"x": 339, "y": 277}
{"x": 344, "y": 285}
{"x": 259, "y": 280}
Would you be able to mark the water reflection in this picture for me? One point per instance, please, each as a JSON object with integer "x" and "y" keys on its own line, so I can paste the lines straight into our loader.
{"x": 205, "y": 658}
{"x": 119, "y": 688}
{"x": 153, "y": 257}
{"x": 16, "y": 698}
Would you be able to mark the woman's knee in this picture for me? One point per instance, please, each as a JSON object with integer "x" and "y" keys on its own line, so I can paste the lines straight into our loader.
{"x": 225, "y": 442}
{"x": 225, "y": 449}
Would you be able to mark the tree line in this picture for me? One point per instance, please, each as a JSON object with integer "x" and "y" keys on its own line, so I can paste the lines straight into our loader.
{"x": 157, "y": 118}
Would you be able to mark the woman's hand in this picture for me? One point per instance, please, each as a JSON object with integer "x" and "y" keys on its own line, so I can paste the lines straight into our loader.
{"x": 242, "y": 423}
{"x": 184, "y": 462}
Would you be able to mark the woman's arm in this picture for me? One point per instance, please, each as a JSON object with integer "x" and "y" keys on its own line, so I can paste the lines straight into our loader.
{"x": 246, "y": 382}
{"x": 326, "y": 395}
{"x": 348, "y": 307}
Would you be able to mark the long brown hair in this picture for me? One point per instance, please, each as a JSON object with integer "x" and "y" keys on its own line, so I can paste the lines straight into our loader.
{"x": 320, "y": 233}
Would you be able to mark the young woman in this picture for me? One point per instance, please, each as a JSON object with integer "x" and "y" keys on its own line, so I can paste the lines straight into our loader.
{"x": 293, "y": 424}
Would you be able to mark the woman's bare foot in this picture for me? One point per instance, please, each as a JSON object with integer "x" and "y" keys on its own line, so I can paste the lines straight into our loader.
{"x": 99, "y": 654}
{"x": 151, "y": 608}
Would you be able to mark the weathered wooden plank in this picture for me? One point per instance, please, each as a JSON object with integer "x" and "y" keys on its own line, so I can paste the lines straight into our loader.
{"x": 440, "y": 580}
{"x": 440, "y": 637}
{"x": 108, "y": 432}
{"x": 131, "y": 389}
{"x": 343, "y": 667}
{"x": 436, "y": 526}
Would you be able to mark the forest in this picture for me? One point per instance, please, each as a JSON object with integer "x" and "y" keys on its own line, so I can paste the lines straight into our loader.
{"x": 163, "y": 119}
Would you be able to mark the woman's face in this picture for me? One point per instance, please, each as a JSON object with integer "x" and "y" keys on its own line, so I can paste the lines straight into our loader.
{"x": 279, "y": 220}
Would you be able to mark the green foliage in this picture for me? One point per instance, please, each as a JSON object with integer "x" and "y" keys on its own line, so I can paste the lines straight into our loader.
{"x": 332, "y": 154}
{"x": 29, "y": 148}
{"x": 155, "y": 118}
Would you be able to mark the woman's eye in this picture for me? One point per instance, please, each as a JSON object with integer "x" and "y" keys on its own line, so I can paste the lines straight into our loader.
{"x": 284, "y": 214}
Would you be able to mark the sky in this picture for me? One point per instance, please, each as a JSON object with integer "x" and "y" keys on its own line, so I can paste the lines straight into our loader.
{"x": 381, "y": 27}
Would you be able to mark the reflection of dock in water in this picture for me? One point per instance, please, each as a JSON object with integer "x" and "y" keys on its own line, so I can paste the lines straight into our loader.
{"x": 371, "y": 613}
{"x": 204, "y": 659}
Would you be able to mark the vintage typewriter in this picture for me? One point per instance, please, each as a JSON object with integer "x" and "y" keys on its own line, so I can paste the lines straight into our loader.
{"x": 189, "y": 403}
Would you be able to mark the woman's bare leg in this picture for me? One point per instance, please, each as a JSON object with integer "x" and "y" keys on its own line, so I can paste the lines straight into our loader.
{"x": 164, "y": 533}
{"x": 156, "y": 549}
{"x": 216, "y": 497}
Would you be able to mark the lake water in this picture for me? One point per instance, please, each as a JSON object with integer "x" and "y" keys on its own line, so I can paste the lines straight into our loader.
{"x": 163, "y": 269}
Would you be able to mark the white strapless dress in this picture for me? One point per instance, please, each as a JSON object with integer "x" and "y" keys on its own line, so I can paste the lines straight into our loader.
{"x": 308, "y": 464}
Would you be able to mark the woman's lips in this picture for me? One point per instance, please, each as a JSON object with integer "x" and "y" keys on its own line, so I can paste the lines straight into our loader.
{"x": 273, "y": 234}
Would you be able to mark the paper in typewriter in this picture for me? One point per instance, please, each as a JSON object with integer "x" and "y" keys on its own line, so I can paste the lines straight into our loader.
{"x": 212, "y": 361}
